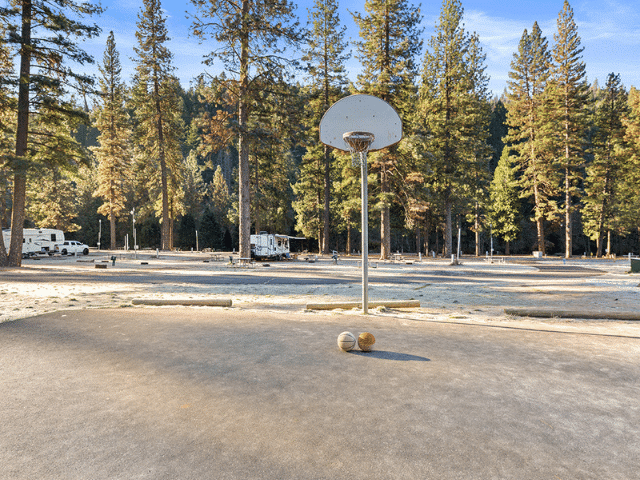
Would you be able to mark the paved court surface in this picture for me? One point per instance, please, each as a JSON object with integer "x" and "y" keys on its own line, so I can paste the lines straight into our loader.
{"x": 193, "y": 393}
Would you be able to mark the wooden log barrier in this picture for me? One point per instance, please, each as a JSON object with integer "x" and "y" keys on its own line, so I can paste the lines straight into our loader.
{"x": 187, "y": 302}
{"x": 350, "y": 305}
{"x": 590, "y": 314}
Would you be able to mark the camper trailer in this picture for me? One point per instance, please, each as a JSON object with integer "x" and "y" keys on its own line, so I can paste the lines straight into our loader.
{"x": 268, "y": 246}
{"x": 36, "y": 240}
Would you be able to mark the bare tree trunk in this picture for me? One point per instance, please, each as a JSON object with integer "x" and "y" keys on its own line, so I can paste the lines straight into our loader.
{"x": 319, "y": 220}
{"x": 243, "y": 152}
{"x": 112, "y": 228}
{"x": 567, "y": 215}
{"x": 385, "y": 220}
{"x": 348, "y": 236}
{"x": 22, "y": 133}
{"x": 256, "y": 208}
{"x": 418, "y": 239}
{"x": 165, "y": 227}
{"x": 609, "y": 249}
{"x": 448, "y": 240}
{"x": 427, "y": 232}
{"x": 476, "y": 227}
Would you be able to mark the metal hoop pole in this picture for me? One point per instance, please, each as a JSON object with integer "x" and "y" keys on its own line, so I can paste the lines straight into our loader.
{"x": 365, "y": 234}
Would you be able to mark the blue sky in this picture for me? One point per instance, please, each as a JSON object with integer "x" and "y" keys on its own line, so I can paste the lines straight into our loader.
{"x": 609, "y": 30}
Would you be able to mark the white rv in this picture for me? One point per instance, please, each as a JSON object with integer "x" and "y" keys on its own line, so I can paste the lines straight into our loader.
{"x": 36, "y": 240}
{"x": 269, "y": 246}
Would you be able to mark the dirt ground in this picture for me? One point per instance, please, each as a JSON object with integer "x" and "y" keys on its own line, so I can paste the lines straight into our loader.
{"x": 477, "y": 291}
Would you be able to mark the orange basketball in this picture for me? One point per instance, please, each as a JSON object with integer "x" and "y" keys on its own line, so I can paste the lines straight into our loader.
{"x": 366, "y": 341}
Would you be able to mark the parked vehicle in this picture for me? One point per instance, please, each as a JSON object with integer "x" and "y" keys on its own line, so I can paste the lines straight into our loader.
{"x": 269, "y": 246}
{"x": 36, "y": 240}
{"x": 72, "y": 247}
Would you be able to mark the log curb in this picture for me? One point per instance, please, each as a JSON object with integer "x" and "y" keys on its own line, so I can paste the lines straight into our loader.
{"x": 591, "y": 315}
{"x": 183, "y": 302}
{"x": 350, "y": 305}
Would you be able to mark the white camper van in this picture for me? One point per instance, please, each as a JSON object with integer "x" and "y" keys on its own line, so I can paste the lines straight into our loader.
{"x": 36, "y": 240}
{"x": 268, "y": 246}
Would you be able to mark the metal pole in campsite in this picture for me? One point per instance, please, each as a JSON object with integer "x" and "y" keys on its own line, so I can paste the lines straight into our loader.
{"x": 365, "y": 234}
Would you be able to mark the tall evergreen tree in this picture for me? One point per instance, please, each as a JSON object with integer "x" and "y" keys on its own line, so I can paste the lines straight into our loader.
{"x": 253, "y": 36}
{"x": 158, "y": 111}
{"x": 504, "y": 210}
{"x": 114, "y": 151}
{"x": 529, "y": 127}
{"x": 52, "y": 202}
{"x": 44, "y": 33}
{"x": 390, "y": 33}
{"x": 453, "y": 110}
{"x": 347, "y": 201}
{"x": 568, "y": 93}
{"x": 275, "y": 128}
{"x": 325, "y": 58}
{"x": 219, "y": 195}
{"x": 193, "y": 185}
{"x": 58, "y": 158}
{"x": 7, "y": 134}
{"x": 605, "y": 172}
{"x": 498, "y": 129}
{"x": 629, "y": 188}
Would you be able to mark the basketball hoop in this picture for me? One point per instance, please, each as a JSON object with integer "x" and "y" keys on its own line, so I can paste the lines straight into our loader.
{"x": 358, "y": 144}
{"x": 371, "y": 125}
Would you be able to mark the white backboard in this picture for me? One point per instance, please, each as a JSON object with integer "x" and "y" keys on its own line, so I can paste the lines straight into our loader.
{"x": 361, "y": 113}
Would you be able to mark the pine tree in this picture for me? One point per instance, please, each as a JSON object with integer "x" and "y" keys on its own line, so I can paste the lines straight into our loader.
{"x": 347, "y": 200}
{"x": 193, "y": 185}
{"x": 44, "y": 33}
{"x": 504, "y": 210}
{"x": 390, "y": 33}
{"x": 113, "y": 153}
{"x": 275, "y": 128}
{"x": 453, "y": 111}
{"x": 219, "y": 194}
{"x": 254, "y": 36}
{"x": 629, "y": 188}
{"x": 604, "y": 173}
{"x": 158, "y": 111}
{"x": 529, "y": 127}
{"x": 498, "y": 129}
{"x": 325, "y": 57}
{"x": 568, "y": 93}
{"x": 7, "y": 132}
{"x": 52, "y": 202}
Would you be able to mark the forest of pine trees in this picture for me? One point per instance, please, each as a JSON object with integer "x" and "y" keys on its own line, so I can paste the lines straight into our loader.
{"x": 552, "y": 165}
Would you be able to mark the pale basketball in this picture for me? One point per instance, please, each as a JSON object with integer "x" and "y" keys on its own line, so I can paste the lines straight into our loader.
{"x": 366, "y": 341}
{"x": 346, "y": 341}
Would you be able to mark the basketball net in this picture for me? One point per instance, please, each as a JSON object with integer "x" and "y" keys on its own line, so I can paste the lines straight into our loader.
{"x": 358, "y": 144}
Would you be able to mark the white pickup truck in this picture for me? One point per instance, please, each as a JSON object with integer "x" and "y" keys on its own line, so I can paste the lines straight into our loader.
{"x": 72, "y": 247}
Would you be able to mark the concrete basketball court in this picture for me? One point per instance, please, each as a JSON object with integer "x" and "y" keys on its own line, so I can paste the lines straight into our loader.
{"x": 193, "y": 393}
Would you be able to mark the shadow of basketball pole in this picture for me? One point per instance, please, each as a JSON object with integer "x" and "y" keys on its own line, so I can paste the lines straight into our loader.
{"x": 385, "y": 355}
